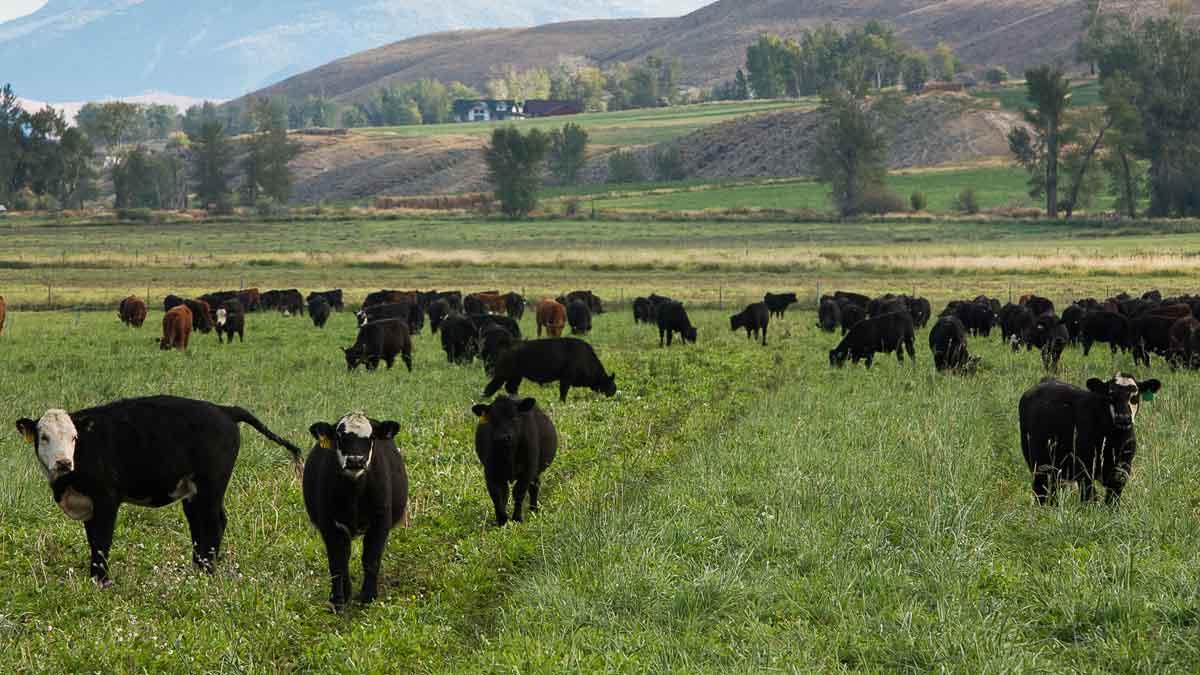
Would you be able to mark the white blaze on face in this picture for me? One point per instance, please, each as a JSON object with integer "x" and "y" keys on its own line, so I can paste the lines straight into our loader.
{"x": 221, "y": 315}
{"x": 353, "y": 424}
{"x": 56, "y": 437}
{"x": 1123, "y": 381}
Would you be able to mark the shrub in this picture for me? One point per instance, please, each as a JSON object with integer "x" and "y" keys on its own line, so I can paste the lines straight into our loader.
{"x": 967, "y": 202}
{"x": 880, "y": 201}
{"x": 24, "y": 200}
{"x": 918, "y": 201}
{"x": 624, "y": 167}
{"x": 668, "y": 164}
{"x": 996, "y": 75}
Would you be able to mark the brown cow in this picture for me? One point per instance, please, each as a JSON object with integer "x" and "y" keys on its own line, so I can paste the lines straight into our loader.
{"x": 551, "y": 315}
{"x": 132, "y": 312}
{"x": 491, "y": 301}
{"x": 177, "y": 328}
{"x": 3, "y": 313}
{"x": 251, "y": 299}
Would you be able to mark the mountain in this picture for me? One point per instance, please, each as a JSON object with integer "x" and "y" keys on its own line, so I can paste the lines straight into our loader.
{"x": 97, "y": 49}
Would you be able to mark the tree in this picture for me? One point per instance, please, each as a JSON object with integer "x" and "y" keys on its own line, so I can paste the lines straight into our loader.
{"x": 1050, "y": 92}
{"x": 770, "y": 63}
{"x": 851, "y": 153}
{"x": 996, "y": 75}
{"x": 945, "y": 63}
{"x": 568, "y": 152}
{"x": 266, "y": 167}
{"x": 514, "y": 163}
{"x": 1127, "y": 178}
{"x": 111, "y": 124}
{"x": 77, "y": 182}
{"x": 915, "y": 72}
{"x": 211, "y": 155}
{"x": 134, "y": 181}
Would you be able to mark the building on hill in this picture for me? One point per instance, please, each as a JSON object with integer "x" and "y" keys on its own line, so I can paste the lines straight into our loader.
{"x": 547, "y": 108}
{"x": 486, "y": 110}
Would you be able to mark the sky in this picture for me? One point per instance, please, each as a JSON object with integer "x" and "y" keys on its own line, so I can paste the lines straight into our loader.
{"x": 14, "y": 9}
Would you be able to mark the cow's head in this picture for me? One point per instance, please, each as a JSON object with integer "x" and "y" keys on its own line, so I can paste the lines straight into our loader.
{"x": 53, "y": 438}
{"x": 222, "y": 317}
{"x": 1124, "y": 394}
{"x": 607, "y": 385}
{"x": 689, "y": 334}
{"x": 353, "y": 440}
{"x": 356, "y": 355}
{"x": 503, "y": 419}
{"x": 837, "y": 357}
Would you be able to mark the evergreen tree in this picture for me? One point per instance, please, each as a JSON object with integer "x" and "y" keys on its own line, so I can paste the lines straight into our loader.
{"x": 211, "y": 156}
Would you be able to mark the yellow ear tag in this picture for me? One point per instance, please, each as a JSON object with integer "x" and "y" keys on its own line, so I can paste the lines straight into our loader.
{"x": 29, "y": 437}
{"x": 326, "y": 443}
{"x": 483, "y": 419}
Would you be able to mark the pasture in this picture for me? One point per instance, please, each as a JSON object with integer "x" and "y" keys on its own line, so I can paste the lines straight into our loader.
{"x": 733, "y": 507}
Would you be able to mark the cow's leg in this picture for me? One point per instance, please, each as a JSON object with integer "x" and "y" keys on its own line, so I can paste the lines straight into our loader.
{"x": 100, "y": 535}
{"x": 660, "y": 337}
{"x": 498, "y": 491}
{"x": 1087, "y": 346}
{"x": 492, "y": 387}
{"x": 1087, "y": 492}
{"x": 764, "y": 336}
{"x": 519, "y": 491}
{"x": 1043, "y": 487}
{"x": 373, "y": 544}
{"x": 563, "y": 388}
{"x": 407, "y": 360}
{"x": 242, "y": 335}
{"x": 870, "y": 360}
{"x": 337, "y": 549}
{"x": 535, "y": 487}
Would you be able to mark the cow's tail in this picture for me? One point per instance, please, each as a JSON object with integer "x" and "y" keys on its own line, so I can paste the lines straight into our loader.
{"x": 242, "y": 415}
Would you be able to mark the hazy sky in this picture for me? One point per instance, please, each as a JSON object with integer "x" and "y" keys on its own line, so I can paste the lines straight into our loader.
{"x": 11, "y": 9}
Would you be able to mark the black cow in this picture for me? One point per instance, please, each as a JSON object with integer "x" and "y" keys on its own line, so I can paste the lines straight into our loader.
{"x": 515, "y": 442}
{"x": 1185, "y": 343}
{"x": 1039, "y": 305}
{"x": 852, "y": 315}
{"x": 978, "y": 317}
{"x": 171, "y": 302}
{"x": 334, "y": 298}
{"x": 1051, "y": 336}
{"x": 459, "y": 339}
{"x": 643, "y": 311}
{"x": 888, "y": 333}
{"x": 779, "y": 302}
{"x": 146, "y": 451}
{"x": 1016, "y": 325}
{"x": 318, "y": 310}
{"x": 589, "y": 298}
{"x": 438, "y": 310}
{"x": 473, "y": 305}
{"x": 755, "y": 319}
{"x": 289, "y": 302}
{"x": 1072, "y": 434}
{"x": 493, "y": 341}
{"x": 570, "y": 361}
{"x": 829, "y": 315}
{"x": 920, "y": 310}
{"x": 483, "y": 321}
{"x": 380, "y": 340}
{"x": 355, "y": 485}
{"x": 948, "y": 342}
{"x": 1072, "y": 318}
{"x": 579, "y": 317}
{"x": 231, "y": 320}
{"x": 1109, "y": 327}
{"x": 673, "y": 318}
{"x": 409, "y": 313}
{"x": 202, "y": 319}
{"x": 514, "y": 305}
{"x": 852, "y": 298}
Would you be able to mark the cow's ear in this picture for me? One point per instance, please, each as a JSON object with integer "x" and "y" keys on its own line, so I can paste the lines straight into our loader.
{"x": 480, "y": 409}
{"x": 28, "y": 429}
{"x": 1097, "y": 386}
{"x": 384, "y": 430}
{"x": 1151, "y": 386}
{"x": 526, "y": 405}
{"x": 324, "y": 434}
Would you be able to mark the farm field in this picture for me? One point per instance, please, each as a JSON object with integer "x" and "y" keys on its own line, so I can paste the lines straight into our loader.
{"x": 1013, "y": 96}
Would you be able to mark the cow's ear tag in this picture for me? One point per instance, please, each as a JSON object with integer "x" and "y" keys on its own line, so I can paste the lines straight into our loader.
{"x": 29, "y": 437}
{"x": 483, "y": 419}
{"x": 1147, "y": 396}
{"x": 326, "y": 442}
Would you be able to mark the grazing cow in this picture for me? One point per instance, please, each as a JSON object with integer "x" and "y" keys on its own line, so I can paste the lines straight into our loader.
{"x": 779, "y": 302}
{"x": 570, "y": 361}
{"x": 217, "y": 298}
{"x": 334, "y": 298}
{"x": 492, "y": 341}
{"x": 888, "y": 333}
{"x": 1109, "y": 327}
{"x": 231, "y": 320}
{"x": 673, "y": 318}
{"x": 587, "y": 297}
{"x": 886, "y": 304}
{"x": 1051, "y": 336}
{"x": 145, "y": 451}
{"x": 3, "y": 313}
{"x": 482, "y": 322}
{"x": 459, "y": 339}
{"x": 355, "y": 485}
{"x": 755, "y": 319}
{"x": 948, "y": 342}
{"x": 1073, "y": 434}
{"x": 251, "y": 299}
{"x": 388, "y": 297}
{"x": 202, "y": 319}
{"x": 1072, "y": 318}
{"x": 380, "y": 340}
{"x": 171, "y": 302}
{"x": 410, "y": 313}
{"x": 132, "y": 312}
{"x": 514, "y": 305}
{"x": 290, "y": 302}
{"x": 829, "y": 315}
{"x": 978, "y": 317}
{"x": 177, "y": 328}
{"x": 515, "y": 442}
{"x": 579, "y": 317}
{"x": 1185, "y": 343}
{"x": 643, "y": 311}
{"x": 552, "y": 316}
{"x": 920, "y": 309}
{"x": 852, "y": 314}
{"x": 438, "y": 310}
{"x": 1016, "y": 325}
{"x": 318, "y": 310}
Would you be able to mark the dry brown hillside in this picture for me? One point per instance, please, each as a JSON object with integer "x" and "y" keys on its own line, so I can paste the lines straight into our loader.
{"x": 711, "y": 42}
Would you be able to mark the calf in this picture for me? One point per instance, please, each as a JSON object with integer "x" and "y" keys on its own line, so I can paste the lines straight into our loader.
{"x": 888, "y": 333}
{"x": 829, "y": 315}
{"x": 1072, "y": 434}
{"x": 319, "y": 310}
{"x": 438, "y": 310}
{"x": 459, "y": 339}
{"x": 579, "y": 317}
{"x": 948, "y": 342}
{"x": 355, "y": 485}
{"x": 334, "y": 298}
{"x": 755, "y": 319}
{"x": 551, "y": 315}
{"x": 145, "y": 451}
{"x": 570, "y": 361}
{"x": 132, "y": 312}
{"x": 231, "y": 320}
{"x": 1052, "y": 338}
{"x": 377, "y": 340}
{"x": 177, "y": 328}
{"x": 673, "y": 318}
{"x": 514, "y": 305}
{"x": 515, "y": 442}
{"x": 779, "y": 302}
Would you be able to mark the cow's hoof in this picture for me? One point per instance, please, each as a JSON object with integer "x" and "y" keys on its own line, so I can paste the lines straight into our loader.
{"x": 366, "y": 598}
{"x": 336, "y": 606}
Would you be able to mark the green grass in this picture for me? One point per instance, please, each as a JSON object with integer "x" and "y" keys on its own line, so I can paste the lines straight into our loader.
{"x": 1012, "y": 96}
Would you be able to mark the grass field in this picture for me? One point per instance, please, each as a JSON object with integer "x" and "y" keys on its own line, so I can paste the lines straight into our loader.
{"x": 1013, "y": 96}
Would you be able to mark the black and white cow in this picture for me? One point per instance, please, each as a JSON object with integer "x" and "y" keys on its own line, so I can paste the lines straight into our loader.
{"x": 355, "y": 485}
{"x": 146, "y": 451}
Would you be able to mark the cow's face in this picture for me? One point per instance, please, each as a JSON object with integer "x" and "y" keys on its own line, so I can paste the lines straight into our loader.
{"x": 222, "y": 316}
{"x": 503, "y": 420}
{"x": 689, "y": 334}
{"x": 837, "y": 358}
{"x": 53, "y": 438}
{"x": 354, "y": 356}
{"x": 353, "y": 441}
{"x": 1124, "y": 395}
{"x": 608, "y": 386}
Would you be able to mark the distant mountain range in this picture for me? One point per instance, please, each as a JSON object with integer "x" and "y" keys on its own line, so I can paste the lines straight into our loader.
{"x": 73, "y": 50}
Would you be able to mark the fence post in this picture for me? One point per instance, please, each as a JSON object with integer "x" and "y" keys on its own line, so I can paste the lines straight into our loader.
{"x": 720, "y": 297}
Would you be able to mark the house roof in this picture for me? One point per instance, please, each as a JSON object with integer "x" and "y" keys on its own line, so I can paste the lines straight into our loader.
{"x": 548, "y": 108}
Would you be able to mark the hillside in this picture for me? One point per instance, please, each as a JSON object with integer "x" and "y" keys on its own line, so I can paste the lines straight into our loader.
{"x": 710, "y": 42}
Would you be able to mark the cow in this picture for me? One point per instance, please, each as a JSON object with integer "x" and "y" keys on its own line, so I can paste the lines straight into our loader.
{"x": 1072, "y": 318}
{"x": 146, "y": 451}
{"x": 978, "y": 317}
{"x": 177, "y": 328}
{"x": 231, "y": 320}
{"x": 886, "y": 304}
{"x": 171, "y": 302}
{"x": 595, "y": 306}
{"x": 201, "y": 315}
{"x": 579, "y": 317}
{"x": 852, "y": 314}
{"x": 754, "y": 319}
{"x": 318, "y": 310}
{"x": 459, "y": 339}
{"x": 491, "y": 342}
{"x": 380, "y": 340}
{"x": 852, "y": 298}
{"x": 552, "y": 316}
{"x": 3, "y": 313}
{"x": 355, "y": 484}
{"x": 673, "y": 318}
{"x": 948, "y": 342}
{"x": 1082, "y": 435}
{"x": 779, "y": 302}
{"x": 1016, "y": 325}
{"x": 132, "y": 312}
{"x": 482, "y": 322}
{"x": 829, "y": 315}
{"x": 644, "y": 311}
{"x": 251, "y": 299}
{"x": 1051, "y": 336}
{"x": 438, "y": 310}
{"x": 1104, "y": 326}
{"x": 217, "y": 298}
{"x": 515, "y": 442}
{"x": 1185, "y": 343}
{"x": 888, "y": 333}
{"x": 388, "y": 297}
{"x": 1038, "y": 305}
{"x": 514, "y": 305}
{"x": 290, "y": 302}
{"x": 410, "y": 313}
{"x": 482, "y": 303}
{"x": 920, "y": 309}
{"x": 570, "y": 361}
{"x": 334, "y": 298}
